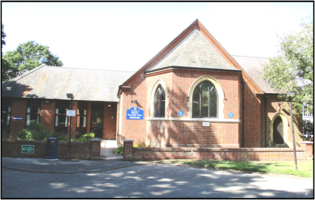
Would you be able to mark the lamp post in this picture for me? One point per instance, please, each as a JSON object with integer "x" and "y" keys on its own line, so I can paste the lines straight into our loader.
{"x": 291, "y": 95}
{"x": 70, "y": 95}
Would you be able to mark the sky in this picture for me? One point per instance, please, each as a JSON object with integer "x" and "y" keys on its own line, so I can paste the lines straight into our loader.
{"x": 125, "y": 36}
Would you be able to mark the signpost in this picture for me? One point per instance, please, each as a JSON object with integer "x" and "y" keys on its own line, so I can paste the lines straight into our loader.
{"x": 134, "y": 113}
{"x": 27, "y": 149}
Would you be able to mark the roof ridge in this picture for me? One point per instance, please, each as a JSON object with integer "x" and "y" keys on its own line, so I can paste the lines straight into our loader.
{"x": 250, "y": 56}
{"x": 90, "y": 69}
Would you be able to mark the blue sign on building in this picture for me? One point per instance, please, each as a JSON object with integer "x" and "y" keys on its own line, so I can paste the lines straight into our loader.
{"x": 180, "y": 113}
{"x": 230, "y": 115}
{"x": 134, "y": 113}
{"x": 17, "y": 118}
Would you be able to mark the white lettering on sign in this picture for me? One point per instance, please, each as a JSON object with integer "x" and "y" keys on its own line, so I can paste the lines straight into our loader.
{"x": 205, "y": 123}
{"x": 70, "y": 112}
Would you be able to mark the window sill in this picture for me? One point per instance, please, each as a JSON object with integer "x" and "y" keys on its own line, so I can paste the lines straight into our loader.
{"x": 194, "y": 119}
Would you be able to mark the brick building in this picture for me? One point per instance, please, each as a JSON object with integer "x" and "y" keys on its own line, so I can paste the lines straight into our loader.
{"x": 192, "y": 93}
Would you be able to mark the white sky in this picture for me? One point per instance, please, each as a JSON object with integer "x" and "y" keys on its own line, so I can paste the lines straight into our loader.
{"x": 124, "y": 36}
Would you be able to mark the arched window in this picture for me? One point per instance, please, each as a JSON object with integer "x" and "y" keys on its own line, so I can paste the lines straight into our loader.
{"x": 159, "y": 102}
{"x": 205, "y": 101}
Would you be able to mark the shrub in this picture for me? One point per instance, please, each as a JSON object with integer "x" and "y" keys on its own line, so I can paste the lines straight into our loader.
{"x": 4, "y": 134}
{"x": 61, "y": 136}
{"x": 119, "y": 150}
{"x": 140, "y": 144}
{"x": 33, "y": 132}
{"x": 85, "y": 138}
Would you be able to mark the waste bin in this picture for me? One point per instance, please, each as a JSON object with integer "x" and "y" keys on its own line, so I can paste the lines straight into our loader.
{"x": 52, "y": 148}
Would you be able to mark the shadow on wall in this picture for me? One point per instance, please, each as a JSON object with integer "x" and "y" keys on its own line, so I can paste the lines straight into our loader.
{"x": 167, "y": 133}
{"x": 297, "y": 120}
{"x": 252, "y": 119}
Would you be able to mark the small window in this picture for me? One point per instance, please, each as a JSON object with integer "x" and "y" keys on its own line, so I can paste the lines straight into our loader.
{"x": 5, "y": 115}
{"x": 205, "y": 101}
{"x": 81, "y": 115}
{"x": 97, "y": 112}
{"x": 32, "y": 111}
{"x": 159, "y": 102}
{"x": 61, "y": 121}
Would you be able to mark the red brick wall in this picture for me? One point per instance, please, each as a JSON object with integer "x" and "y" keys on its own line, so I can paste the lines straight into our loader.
{"x": 134, "y": 129}
{"x": 47, "y": 114}
{"x": 161, "y": 133}
{"x": 91, "y": 150}
{"x": 18, "y": 110}
{"x": 233, "y": 154}
{"x": 252, "y": 118}
{"x": 237, "y": 154}
{"x": 273, "y": 108}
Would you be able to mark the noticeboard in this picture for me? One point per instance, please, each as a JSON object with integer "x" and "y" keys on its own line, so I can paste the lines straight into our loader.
{"x": 27, "y": 149}
{"x": 70, "y": 112}
{"x": 134, "y": 113}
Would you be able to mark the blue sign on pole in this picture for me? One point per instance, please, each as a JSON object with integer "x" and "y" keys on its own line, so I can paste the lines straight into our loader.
{"x": 230, "y": 115}
{"x": 17, "y": 118}
{"x": 180, "y": 113}
{"x": 134, "y": 113}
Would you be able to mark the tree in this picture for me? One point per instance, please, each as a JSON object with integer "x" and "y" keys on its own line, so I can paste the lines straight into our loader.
{"x": 292, "y": 70}
{"x": 26, "y": 57}
{"x": 7, "y": 70}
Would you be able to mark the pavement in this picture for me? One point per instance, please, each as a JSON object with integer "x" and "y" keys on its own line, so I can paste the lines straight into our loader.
{"x": 40, "y": 165}
{"x": 108, "y": 161}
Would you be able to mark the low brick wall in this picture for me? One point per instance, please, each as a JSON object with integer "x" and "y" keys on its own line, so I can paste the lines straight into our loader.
{"x": 85, "y": 150}
{"x": 233, "y": 154}
{"x": 309, "y": 150}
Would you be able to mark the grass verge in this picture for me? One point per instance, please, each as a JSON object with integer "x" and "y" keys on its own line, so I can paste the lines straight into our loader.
{"x": 305, "y": 168}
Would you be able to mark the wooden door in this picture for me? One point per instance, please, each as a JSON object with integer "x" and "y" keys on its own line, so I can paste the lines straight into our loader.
{"x": 278, "y": 131}
{"x": 109, "y": 131}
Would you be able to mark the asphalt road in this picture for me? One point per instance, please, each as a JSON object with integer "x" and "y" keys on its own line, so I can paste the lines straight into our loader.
{"x": 153, "y": 181}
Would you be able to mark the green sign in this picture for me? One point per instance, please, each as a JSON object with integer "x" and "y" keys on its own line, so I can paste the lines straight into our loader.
{"x": 27, "y": 149}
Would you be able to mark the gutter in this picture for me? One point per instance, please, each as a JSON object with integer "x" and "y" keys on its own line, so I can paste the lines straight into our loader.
{"x": 243, "y": 105}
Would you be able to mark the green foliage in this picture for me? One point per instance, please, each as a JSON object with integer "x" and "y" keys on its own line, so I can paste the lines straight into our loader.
{"x": 305, "y": 168}
{"x": 37, "y": 132}
{"x": 140, "y": 144}
{"x": 308, "y": 131}
{"x": 3, "y": 35}
{"x": 4, "y": 134}
{"x": 292, "y": 70}
{"x": 33, "y": 132}
{"x": 26, "y": 57}
{"x": 119, "y": 150}
{"x": 85, "y": 138}
{"x": 7, "y": 70}
{"x": 61, "y": 136}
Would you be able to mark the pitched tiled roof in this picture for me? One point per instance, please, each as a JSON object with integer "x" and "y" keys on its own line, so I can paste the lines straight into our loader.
{"x": 52, "y": 82}
{"x": 253, "y": 66}
{"x": 194, "y": 51}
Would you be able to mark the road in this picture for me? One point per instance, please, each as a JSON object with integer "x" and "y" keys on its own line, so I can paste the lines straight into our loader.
{"x": 153, "y": 181}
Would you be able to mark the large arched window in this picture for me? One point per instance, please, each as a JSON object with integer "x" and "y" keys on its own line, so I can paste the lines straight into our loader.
{"x": 159, "y": 102}
{"x": 205, "y": 101}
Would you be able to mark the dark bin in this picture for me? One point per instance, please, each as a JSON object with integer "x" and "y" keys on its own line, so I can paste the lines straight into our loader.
{"x": 52, "y": 148}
